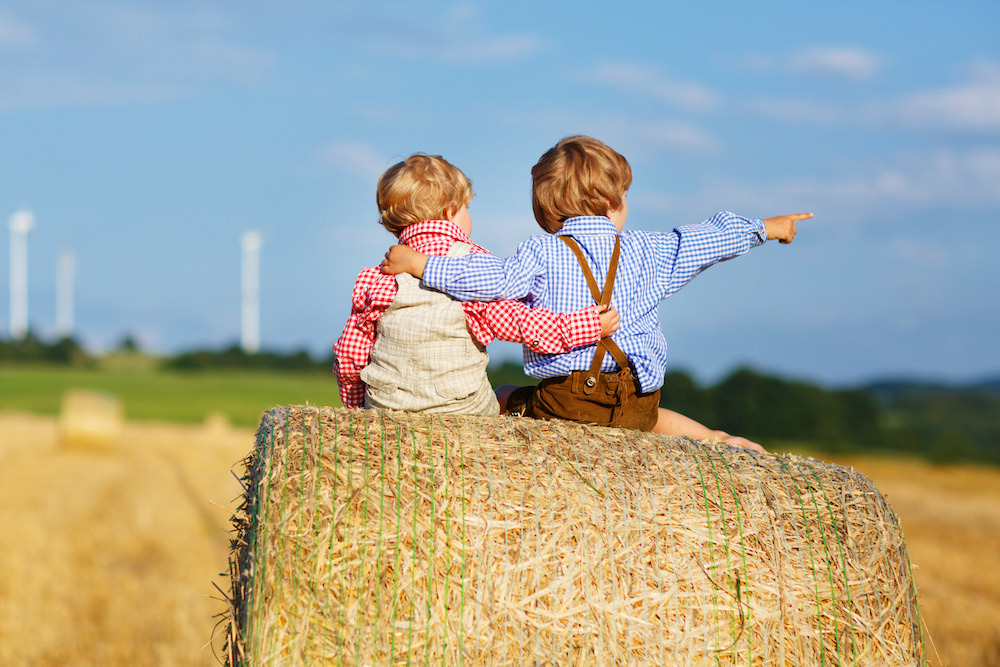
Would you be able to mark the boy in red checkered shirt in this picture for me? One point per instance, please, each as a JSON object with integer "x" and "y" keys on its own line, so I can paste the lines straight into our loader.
{"x": 410, "y": 348}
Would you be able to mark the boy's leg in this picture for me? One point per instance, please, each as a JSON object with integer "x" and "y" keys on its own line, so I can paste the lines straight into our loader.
{"x": 669, "y": 422}
{"x": 503, "y": 393}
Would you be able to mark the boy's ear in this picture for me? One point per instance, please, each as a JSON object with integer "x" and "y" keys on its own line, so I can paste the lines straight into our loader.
{"x": 449, "y": 213}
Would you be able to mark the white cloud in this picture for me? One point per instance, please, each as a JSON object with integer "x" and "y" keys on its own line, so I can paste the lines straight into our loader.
{"x": 677, "y": 135}
{"x": 798, "y": 111}
{"x": 943, "y": 179}
{"x": 846, "y": 62}
{"x": 919, "y": 253}
{"x": 849, "y": 62}
{"x": 645, "y": 81}
{"x": 357, "y": 157}
{"x": 969, "y": 106}
{"x": 124, "y": 54}
{"x": 456, "y": 36}
{"x": 15, "y": 33}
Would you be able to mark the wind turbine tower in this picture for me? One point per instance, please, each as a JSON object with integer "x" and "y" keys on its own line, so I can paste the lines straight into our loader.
{"x": 21, "y": 222}
{"x": 64, "y": 293}
{"x": 250, "y": 329}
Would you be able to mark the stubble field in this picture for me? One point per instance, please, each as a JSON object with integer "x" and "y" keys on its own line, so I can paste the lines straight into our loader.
{"x": 110, "y": 558}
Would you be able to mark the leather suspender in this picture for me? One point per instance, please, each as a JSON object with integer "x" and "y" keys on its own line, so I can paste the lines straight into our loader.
{"x": 601, "y": 297}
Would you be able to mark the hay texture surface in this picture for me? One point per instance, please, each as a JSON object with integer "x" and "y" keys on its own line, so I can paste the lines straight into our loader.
{"x": 376, "y": 538}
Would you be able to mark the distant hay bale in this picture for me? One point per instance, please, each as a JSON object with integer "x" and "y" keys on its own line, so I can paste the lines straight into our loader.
{"x": 90, "y": 421}
{"x": 374, "y": 538}
{"x": 216, "y": 423}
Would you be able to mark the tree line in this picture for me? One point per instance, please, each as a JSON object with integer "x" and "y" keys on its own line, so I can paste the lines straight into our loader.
{"x": 940, "y": 423}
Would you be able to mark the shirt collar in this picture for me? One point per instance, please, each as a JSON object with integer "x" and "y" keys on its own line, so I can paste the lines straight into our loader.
{"x": 418, "y": 233}
{"x": 588, "y": 224}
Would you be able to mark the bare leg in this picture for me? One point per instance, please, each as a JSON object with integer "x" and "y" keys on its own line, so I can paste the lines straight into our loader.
{"x": 669, "y": 422}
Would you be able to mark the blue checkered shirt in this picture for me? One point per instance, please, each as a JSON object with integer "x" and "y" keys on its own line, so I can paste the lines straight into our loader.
{"x": 652, "y": 266}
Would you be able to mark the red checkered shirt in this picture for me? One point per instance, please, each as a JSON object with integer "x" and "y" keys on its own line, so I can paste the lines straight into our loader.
{"x": 539, "y": 329}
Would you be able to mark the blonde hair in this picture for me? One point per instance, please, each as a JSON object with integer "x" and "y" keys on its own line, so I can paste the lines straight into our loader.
{"x": 421, "y": 187}
{"x": 578, "y": 176}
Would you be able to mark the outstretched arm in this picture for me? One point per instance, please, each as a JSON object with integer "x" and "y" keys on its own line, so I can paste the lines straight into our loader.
{"x": 782, "y": 227}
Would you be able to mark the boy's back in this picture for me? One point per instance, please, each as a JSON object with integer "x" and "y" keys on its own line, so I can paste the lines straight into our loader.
{"x": 448, "y": 372}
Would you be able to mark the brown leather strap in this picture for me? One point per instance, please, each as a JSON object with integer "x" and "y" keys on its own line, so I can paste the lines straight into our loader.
{"x": 601, "y": 297}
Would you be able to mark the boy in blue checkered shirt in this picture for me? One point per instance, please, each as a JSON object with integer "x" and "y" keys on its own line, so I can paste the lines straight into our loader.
{"x": 578, "y": 191}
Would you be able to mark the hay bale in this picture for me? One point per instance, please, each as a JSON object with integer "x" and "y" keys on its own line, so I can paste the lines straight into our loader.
{"x": 371, "y": 537}
{"x": 90, "y": 421}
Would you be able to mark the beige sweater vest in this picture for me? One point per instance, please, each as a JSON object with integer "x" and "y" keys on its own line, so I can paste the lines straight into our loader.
{"x": 424, "y": 358}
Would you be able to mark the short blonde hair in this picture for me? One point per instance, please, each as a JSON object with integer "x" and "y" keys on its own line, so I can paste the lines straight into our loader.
{"x": 578, "y": 176}
{"x": 421, "y": 187}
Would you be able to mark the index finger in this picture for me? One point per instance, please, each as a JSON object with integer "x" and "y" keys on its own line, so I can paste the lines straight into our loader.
{"x": 795, "y": 217}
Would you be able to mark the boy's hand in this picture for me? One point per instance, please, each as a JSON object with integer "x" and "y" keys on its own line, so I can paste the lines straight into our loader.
{"x": 404, "y": 259}
{"x": 609, "y": 320}
{"x": 782, "y": 227}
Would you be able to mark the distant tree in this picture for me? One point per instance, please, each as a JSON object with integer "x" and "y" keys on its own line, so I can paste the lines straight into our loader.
{"x": 128, "y": 343}
{"x": 67, "y": 351}
{"x": 508, "y": 372}
{"x": 682, "y": 394}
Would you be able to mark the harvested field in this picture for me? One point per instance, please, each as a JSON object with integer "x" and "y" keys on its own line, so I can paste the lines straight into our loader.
{"x": 111, "y": 559}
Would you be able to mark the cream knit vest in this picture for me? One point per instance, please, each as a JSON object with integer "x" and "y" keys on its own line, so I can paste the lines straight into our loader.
{"x": 424, "y": 358}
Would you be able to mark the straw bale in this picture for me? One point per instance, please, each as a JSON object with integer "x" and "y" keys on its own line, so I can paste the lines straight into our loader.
{"x": 90, "y": 421}
{"x": 376, "y": 537}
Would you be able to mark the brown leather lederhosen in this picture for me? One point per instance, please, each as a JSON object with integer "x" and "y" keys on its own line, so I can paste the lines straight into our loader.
{"x": 592, "y": 397}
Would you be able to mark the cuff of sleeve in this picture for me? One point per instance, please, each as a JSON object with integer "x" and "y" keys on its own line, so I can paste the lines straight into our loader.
{"x": 760, "y": 229}
{"x": 587, "y": 329}
{"x": 434, "y": 271}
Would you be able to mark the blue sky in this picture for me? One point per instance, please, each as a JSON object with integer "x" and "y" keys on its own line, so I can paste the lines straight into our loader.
{"x": 147, "y": 137}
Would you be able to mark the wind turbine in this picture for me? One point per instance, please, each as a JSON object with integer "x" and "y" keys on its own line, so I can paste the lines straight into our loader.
{"x": 64, "y": 293}
{"x": 21, "y": 222}
{"x": 250, "y": 330}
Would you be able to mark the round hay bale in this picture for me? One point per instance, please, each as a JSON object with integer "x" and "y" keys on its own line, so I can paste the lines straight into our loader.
{"x": 90, "y": 421}
{"x": 374, "y": 537}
